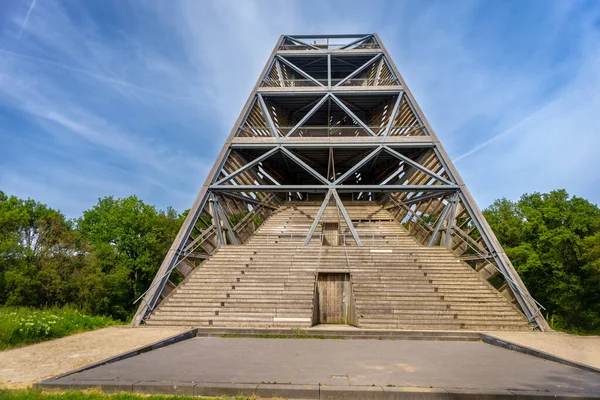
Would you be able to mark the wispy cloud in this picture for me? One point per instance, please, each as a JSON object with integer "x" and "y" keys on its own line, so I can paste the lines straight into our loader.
{"x": 139, "y": 96}
{"x": 68, "y": 82}
{"x": 503, "y": 94}
{"x": 103, "y": 78}
{"x": 27, "y": 17}
{"x": 508, "y": 131}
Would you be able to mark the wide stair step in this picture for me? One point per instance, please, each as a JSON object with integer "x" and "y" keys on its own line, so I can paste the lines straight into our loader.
{"x": 397, "y": 283}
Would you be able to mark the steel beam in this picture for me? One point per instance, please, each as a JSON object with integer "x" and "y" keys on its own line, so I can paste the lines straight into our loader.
{"x": 301, "y": 43}
{"x": 351, "y": 114}
{"x": 438, "y": 225}
{"x": 240, "y": 197}
{"x": 225, "y": 220}
{"x": 221, "y": 164}
{"x": 335, "y": 36}
{"x": 358, "y": 165}
{"x": 416, "y": 165}
{"x": 279, "y": 72}
{"x": 215, "y": 219}
{"x": 315, "y": 223}
{"x": 249, "y": 165}
{"x": 360, "y": 40}
{"x": 304, "y": 165}
{"x": 359, "y": 69}
{"x": 312, "y": 90}
{"x": 328, "y": 71}
{"x": 266, "y": 74}
{"x": 346, "y": 217}
{"x": 257, "y": 177}
{"x": 393, "y": 115}
{"x": 392, "y": 70}
{"x": 298, "y": 70}
{"x": 378, "y": 72}
{"x": 417, "y": 199}
{"x": 307, "y": 116}
{"x": 450, "y": 223}
{"x": 263, "y": 106}
{"x": 372, "y": 143}
{"x": 339, "y": 188}
{"x": 198, "y": 239}
{"x": 445, "y": 164}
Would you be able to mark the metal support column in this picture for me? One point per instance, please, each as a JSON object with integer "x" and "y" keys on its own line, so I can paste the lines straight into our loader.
{"x": 214, "y": 212}
{"x": 346, "y": 217}
{"x": 438, "y": 225}
{"x": 450, "y": 223}
{"x": 317, "y": 218}
{"x": 225, "y": 220}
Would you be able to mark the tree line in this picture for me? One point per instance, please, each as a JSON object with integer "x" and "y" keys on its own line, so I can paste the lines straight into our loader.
{"x": 553, "y": 240}
{"x": 102, "y": 261}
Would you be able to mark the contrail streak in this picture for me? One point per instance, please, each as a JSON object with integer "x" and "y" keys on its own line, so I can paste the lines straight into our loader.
{"x": 26, "y": 18}
{"x": 506, "y": 132}
{"x": 99, "y": 77}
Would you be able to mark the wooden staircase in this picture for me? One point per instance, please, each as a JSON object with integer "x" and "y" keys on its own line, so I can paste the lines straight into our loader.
{"x": 396, "y": 282}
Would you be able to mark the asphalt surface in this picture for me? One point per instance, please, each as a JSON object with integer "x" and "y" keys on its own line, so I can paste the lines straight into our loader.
{"x": 472, "y": 366}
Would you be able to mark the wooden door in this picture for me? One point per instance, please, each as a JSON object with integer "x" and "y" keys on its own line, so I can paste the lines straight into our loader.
{"x": 332, "y": 289}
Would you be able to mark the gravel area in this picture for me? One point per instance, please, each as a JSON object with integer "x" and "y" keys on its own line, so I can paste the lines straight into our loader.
{"x": 582, "y": 349}
{"x": 23, "y": 366}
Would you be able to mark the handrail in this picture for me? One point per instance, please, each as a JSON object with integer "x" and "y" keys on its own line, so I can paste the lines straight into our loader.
{"x": 507, "y": 278}
{"x": 325, "y": 46}
{"x": 484, "y": 257}
{"x": 248, "y": 217}
{"x": 334, "y": 127}
{"x": 326, "y": 81}
{"x": 321, "y": 236}
{"x": 168, "y": 272}
{"x": 413, "y": 215}
{"x": 335, "y": 131}
{"x": 187, "y": 252}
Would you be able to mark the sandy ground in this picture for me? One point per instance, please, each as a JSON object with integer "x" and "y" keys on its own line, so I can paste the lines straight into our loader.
{"x": 582, "y": 349}
{"x": 23, "y": 366}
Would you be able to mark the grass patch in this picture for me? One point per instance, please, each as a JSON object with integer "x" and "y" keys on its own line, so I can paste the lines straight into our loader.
{"x": 22, "y": 325}
{"x": 31, "y": 394}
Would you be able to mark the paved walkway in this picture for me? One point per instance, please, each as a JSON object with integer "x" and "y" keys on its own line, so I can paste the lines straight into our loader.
{"x": 26, "y": 365}
{"x": 367, "y": 364}
{"x": 581, "y": 349}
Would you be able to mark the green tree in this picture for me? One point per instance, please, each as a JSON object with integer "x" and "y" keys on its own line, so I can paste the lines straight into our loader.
{"x": 128, "y": 240}
{"x": 554, "y": 242}
{"x": 99, "y": 263}
{"x": 12, "y": 217}
{"x": 39, "y": 251}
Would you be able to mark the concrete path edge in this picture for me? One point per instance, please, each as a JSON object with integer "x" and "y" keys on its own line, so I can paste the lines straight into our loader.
{"x": 494, "y": 341}
{"x": 153, "y": 346}
{"x": 326, "y": 392}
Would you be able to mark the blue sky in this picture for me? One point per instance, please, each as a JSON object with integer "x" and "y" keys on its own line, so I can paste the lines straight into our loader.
{"x": 125, "y": 97}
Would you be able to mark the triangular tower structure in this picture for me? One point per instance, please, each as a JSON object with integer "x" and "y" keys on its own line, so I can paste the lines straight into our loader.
{"x": 332, "y": 153}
